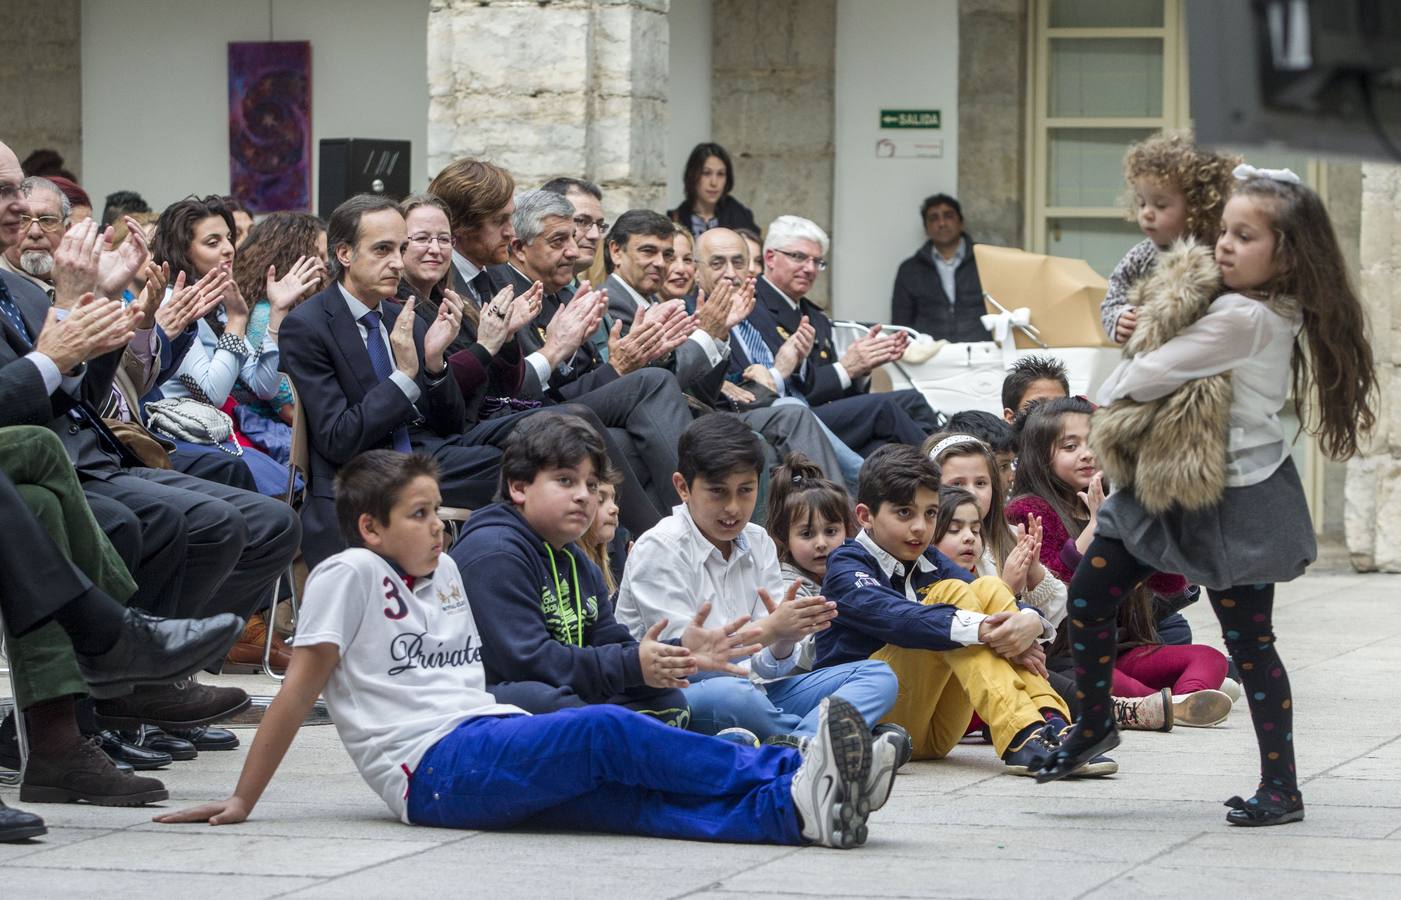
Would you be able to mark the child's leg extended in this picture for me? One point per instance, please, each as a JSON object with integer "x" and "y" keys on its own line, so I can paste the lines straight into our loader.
{"x": 1246, "y": 615}
{"x": 1104, "y": 577}
{"x": 1186, "y": 668}
{"x": 604, "y": 768}
{"x": 869, "y": 685}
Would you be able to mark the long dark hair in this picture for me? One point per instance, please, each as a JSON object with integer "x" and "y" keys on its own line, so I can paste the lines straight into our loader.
{"x": 175, "y": 229}
{"x": 1038, "y": 429}
{"x": 696, "y": 162}
{"x": 798, "y": 491}
{"x": 1335, "y": 364}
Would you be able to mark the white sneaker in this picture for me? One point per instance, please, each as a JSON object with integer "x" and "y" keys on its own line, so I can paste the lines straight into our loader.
{"x": 885, "y": 759}
{"x": 829, "y": 787}
{"x": 1231, "y": 688}
{"x": 1201, "y": 709}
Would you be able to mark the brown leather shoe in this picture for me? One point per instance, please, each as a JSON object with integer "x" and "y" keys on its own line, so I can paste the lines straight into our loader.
{"x": 183, "y": 704}
{"x": 246, "y": 657}
{"x": 86, "y": 775}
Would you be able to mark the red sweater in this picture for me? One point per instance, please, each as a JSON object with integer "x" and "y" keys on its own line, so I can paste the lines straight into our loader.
{"x": 1058, "y": 551}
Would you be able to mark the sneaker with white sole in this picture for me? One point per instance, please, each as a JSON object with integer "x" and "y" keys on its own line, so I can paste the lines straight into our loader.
{"x": 829, "y": 788}
{"x": 1201, "y": 709}
{"x": 1151, "y": 713}
{"x": 885, "y": 760}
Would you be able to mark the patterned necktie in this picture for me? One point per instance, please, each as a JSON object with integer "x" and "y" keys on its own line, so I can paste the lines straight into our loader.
{"x": 11, "y": 311}
{"x": 753, "y": 343}
{"x": 380, "y": 362}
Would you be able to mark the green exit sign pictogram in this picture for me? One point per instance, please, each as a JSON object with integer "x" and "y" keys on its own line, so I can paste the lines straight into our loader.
{"x": 909, "y": 118}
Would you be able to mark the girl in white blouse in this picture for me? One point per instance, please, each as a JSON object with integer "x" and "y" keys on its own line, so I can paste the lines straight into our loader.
{"x": 1285, "y": 278}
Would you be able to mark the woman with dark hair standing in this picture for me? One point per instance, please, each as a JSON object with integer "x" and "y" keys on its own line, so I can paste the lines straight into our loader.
{"x": 709, "y": 179}
{"x": 195, "y": 238}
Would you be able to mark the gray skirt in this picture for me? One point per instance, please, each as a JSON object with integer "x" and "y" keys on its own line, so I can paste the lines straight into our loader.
{"x": 1261, "y": 534}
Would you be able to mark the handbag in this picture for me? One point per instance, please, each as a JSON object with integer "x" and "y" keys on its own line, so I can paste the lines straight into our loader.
{"x": 187, "y": 419}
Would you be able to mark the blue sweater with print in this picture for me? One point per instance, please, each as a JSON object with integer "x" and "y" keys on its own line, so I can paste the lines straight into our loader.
{"x": 871, "y": 613}
{"x": 532, "y": 628}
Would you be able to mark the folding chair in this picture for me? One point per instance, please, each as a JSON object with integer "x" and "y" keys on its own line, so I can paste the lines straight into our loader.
{"x": 15, "y": 777}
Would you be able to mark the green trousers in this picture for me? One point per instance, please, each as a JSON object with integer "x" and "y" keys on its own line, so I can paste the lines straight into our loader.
{"x": 42, "y": 664}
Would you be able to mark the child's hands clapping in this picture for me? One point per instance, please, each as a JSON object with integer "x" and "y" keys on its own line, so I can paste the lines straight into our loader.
{"x": 1093, "y": 498}
{"x": 1017, "y": 565}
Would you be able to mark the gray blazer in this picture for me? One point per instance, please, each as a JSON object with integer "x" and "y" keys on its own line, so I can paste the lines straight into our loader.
{"x": 689, "y": 362}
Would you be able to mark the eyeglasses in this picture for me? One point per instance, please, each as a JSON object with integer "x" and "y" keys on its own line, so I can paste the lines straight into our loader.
{"x": 427, "y": 240}
{"x": 803, "y": 259}
{"x": 584, "y": 223}
{"x": 46, "y": 223}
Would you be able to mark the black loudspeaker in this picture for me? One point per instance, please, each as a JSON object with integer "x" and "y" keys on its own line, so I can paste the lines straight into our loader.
{"x": 351, "y": 166}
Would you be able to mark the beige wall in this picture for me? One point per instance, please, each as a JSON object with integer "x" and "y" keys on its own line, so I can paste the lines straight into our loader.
{"x": 40, "y": 79}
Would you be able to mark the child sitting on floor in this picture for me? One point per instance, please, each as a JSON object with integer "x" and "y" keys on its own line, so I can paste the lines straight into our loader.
{"x": 387, "y": 632}
{"x": 959, "y": 646}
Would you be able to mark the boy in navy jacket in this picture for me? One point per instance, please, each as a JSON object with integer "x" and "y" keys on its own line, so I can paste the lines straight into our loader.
{"x": 958, "y": 645}
{"x": 549, "y": 639}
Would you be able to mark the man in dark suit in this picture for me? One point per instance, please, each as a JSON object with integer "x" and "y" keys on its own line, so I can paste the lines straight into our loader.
{"x": 368, "y": 376}
{"x": 938, "y": 291}
{"x": 837, "y": 388}
{"x": 641, "y": 406}
{"x": 55, "y": 363}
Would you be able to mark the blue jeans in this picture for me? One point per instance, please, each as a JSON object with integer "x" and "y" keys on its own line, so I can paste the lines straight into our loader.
{"x": 790, "y": 706}
{"x": 605, "y": 768}
{"x": 850, "y": 460}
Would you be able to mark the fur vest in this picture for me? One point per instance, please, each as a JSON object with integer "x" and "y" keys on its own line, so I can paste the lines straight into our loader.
{"x": 1171, "y": 451}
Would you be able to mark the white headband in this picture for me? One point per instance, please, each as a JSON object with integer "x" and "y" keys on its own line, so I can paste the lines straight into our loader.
{"x": 1244, "y": 172}
{"x": 949, "y": 441}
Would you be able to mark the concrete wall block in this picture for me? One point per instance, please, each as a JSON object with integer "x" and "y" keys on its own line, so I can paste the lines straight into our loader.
{"x": 627, "y": 139}
{"x": 1360, "y": 511}
{"x": 774, "y": 113}
{"x": 522, "y": 49}
{"x": 631, "y": 52}
{"x": 774, "y": 34}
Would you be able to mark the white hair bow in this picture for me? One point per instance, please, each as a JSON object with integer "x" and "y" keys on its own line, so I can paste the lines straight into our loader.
{"x": 1245, "y": 171}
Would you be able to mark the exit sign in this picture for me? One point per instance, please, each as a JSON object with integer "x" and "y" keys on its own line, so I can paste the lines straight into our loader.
{"x": 909, "y": 118}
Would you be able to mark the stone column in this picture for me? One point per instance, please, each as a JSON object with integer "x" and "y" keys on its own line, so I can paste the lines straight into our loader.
{"x": 1372, "y": 512}
{"x": 772, "y": 106}
{"x": 41, "y": 104}
{"x": 992, "y": 98}
{"x": 571, "y": 87}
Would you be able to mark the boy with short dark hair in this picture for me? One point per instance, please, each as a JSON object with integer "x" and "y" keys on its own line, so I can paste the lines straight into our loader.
{"x": 387, "y": 632}
{"x": 959, "y": 646}
{"x": 1032, "y": 378}
{"x": 708, "y": 551}
{"x": 549, "y": 639}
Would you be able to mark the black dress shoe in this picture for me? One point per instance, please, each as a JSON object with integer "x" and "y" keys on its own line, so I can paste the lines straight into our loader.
{"x": 119, "y": 750}
{"x": 18, "y": 825}
{"x": 157, "y": 740}
{"x": 207, "y": 738}
{"x": 184, "y": 704}
{"x": 158, "y": 651}
{"x": 1261, "y": 811}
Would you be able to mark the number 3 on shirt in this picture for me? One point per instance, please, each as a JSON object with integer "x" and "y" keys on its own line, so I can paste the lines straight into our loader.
{"x": 392, "y": 593}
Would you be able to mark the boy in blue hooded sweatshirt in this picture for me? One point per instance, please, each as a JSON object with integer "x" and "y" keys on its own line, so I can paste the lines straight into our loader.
{"x": 388, "y": 635}
{"x": 549, "y": 639}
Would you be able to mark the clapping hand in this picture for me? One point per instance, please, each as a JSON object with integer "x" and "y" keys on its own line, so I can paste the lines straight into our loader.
{"x": 794, "y": 618}
{"x": 117, "y": 268}
{"x": 93, "y": 326}
{"x": 873, "y": 350}
{"x": 301, "y": 280}
{"x": 664, "y": 665}
{"x": 76, "y": 264}
{"x": 440, "y": 334}
{"x": 796, "y": 349}
{"x": 714, "y": 649}
{"x": 713, "y": 312}
{"x": 192, "y": 302}
{"x": 152, "y": 293}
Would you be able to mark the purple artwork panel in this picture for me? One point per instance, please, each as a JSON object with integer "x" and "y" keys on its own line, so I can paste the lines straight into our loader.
{"x": 270, "y": 124}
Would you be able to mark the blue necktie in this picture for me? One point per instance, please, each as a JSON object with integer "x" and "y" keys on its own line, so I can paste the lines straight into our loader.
{"x": 379, "y": 361}
{"x": 753, "y": 343}
{"x": 11, "y": 311}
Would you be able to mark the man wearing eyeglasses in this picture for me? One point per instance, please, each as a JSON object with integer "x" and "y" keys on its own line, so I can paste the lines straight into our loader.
{"x": 837, "y": 387}
{"x": 41, "y": 229}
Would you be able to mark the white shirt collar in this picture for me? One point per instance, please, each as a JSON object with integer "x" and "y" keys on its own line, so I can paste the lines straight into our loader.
{"x": 792, "y": 304}
{"x": 465, "y": 267}
{"x": 637, "y": 298}
{"x": 739, "y": 547}
{"x": 357, "y": 308}
{"x": 958, "y": 255}
{"x": 888, "y": 563}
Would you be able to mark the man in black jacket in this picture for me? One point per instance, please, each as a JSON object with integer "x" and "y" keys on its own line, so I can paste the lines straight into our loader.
{"x": 937, "y": 291}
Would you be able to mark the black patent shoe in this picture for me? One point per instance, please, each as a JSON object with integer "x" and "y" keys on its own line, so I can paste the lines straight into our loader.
{"x": 139, "y": 758}
{"x": 155, "y": 739}
{"x": 206, "y": 737}
{"x": 18, "y": 825}
{"x": 1072, "y": 754}
{"x": 1262, "y": 810}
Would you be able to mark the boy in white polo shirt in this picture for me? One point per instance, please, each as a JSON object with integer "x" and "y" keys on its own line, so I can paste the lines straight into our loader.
{"x": 387, "y": 632}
